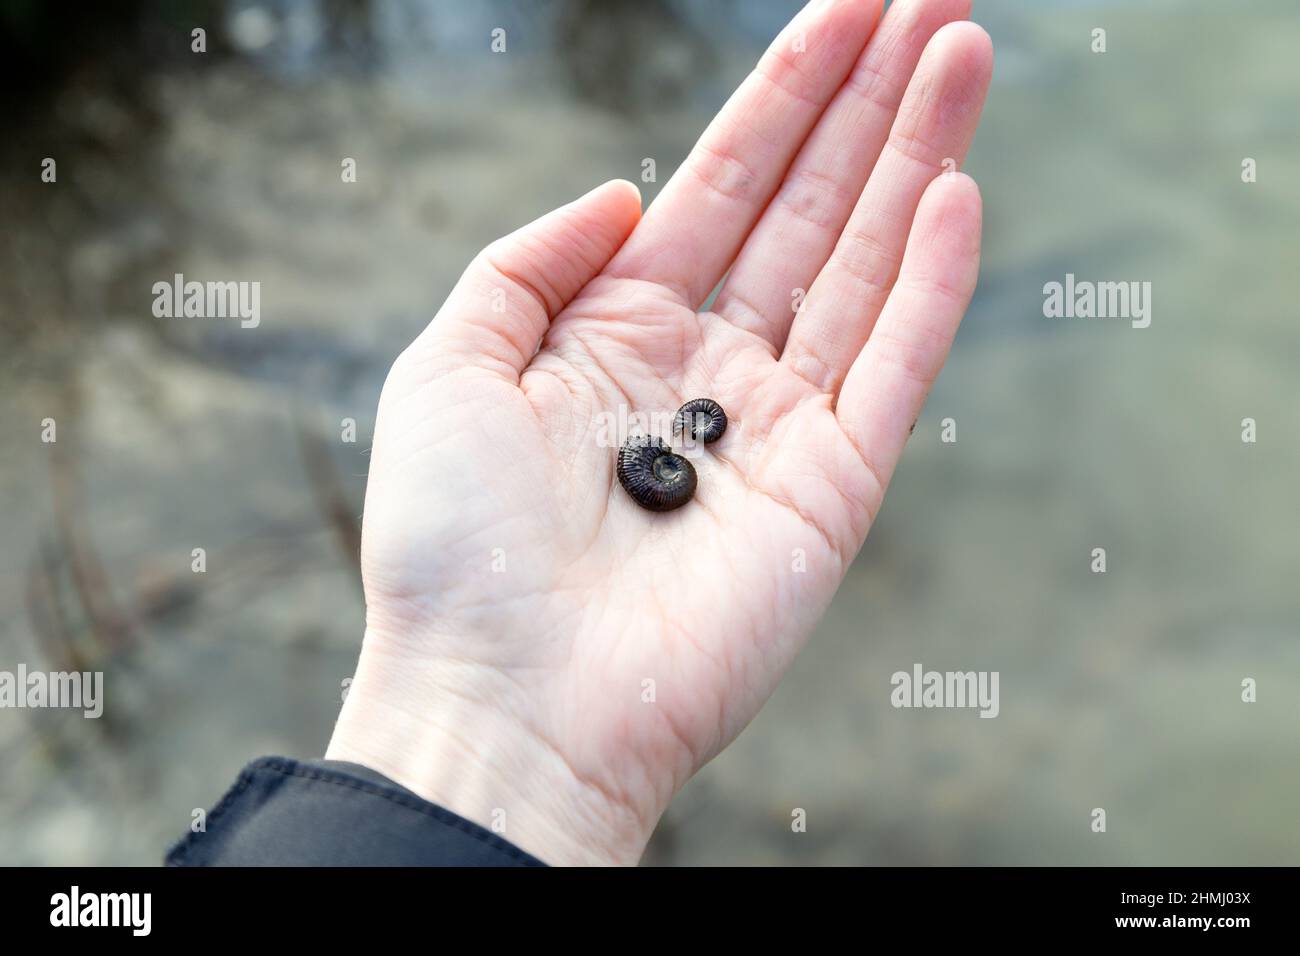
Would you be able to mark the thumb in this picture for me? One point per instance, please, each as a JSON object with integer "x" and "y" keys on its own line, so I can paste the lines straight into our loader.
{"x": 498, "y": 312}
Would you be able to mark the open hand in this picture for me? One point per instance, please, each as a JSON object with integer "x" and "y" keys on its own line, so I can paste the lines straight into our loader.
{"x": 545, "y": 656}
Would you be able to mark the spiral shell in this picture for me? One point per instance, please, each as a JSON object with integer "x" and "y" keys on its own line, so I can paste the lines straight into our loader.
{"x": 657, "y": 479}
{"x": 705, "y": 417}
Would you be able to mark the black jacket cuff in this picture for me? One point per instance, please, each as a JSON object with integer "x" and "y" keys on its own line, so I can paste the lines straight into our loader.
{"x": 283, "y": 812}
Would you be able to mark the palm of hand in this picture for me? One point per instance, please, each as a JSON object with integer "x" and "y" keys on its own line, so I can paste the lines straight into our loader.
{"x": 493, "y": 518}
{"x": 509, "y": 579}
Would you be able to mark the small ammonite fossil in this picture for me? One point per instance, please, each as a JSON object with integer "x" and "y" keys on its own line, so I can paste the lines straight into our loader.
{"x": 705, "y": 417}
{"x": 657, "y": 479}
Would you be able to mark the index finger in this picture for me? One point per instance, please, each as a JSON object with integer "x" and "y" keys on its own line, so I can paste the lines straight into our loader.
{"x": 692, "y": 232}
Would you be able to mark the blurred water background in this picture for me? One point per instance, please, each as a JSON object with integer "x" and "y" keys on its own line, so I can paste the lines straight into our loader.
{"x": 1119, "y": 690}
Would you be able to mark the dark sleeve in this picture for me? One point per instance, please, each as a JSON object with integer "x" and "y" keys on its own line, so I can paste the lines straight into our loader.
{"x": 283, "y": 812}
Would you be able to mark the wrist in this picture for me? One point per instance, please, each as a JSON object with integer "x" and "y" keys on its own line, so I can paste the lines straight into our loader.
{"x": 452, "y": 748}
